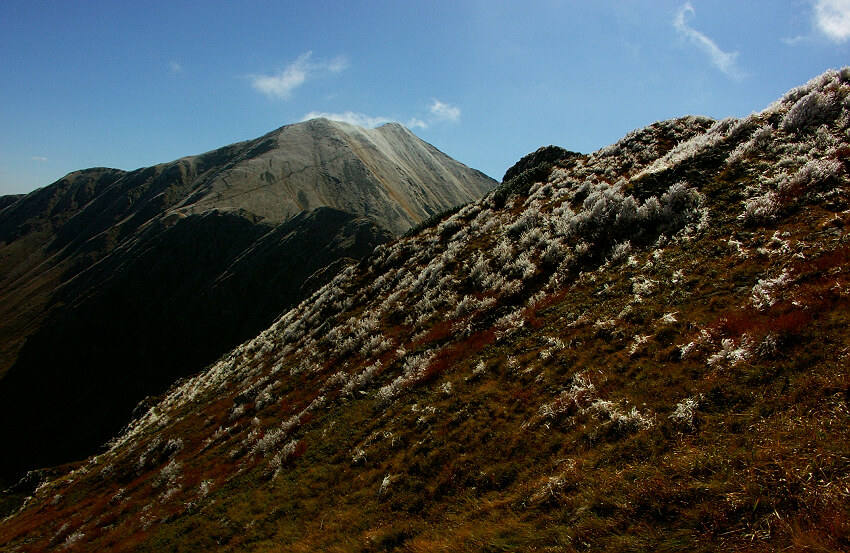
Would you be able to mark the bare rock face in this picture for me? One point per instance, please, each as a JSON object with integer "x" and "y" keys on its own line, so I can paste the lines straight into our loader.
{"x": 113, "y": 284}
{"x": 387, "y": 174}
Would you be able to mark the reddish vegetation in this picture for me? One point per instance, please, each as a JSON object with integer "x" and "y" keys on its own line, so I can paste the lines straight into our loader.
{"x": 691, "y": 395}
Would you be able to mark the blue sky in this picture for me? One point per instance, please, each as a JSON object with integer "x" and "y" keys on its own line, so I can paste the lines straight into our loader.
{"x": 131, "y": 84}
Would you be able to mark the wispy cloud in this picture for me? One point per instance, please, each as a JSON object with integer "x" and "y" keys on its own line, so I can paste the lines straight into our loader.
{"x": 794, "y": 41}
{"x": 363, "y": 120}
{"x": 338, "y": 64}
{"x": 832, "y": 18}
{"x": 284, "y": 82}
{"x": 439, "y": 112}
{"x": 444, "y": 112}
{"x": 725, "y": 61}
{"x": 354, "y": 118}
{"x": 38, "y": 158}
{"x": 415, "y": 123}
{"x": 175, "y": 67}
{"x": 281, "y": 84}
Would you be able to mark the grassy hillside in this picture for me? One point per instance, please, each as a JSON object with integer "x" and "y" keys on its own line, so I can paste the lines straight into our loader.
{"x": 641, "y": 349}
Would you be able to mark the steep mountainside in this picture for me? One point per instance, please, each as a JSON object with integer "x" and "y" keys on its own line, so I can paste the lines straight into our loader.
{"x": 116, "y": 283}
{"x": 6, "y": 201}
{"x": 641, "y": 349}
{"x": 387, "y": 174}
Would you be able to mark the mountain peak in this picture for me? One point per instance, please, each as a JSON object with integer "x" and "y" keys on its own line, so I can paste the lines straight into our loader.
{"x": 324, "y": 162}
{"x": 642, "y": 348}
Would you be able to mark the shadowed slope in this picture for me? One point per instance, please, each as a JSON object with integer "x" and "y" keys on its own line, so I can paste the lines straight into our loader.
{"x": 121, "y": 282}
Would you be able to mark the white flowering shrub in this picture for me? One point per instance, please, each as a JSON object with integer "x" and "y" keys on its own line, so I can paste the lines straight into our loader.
{"x": 582, "y": 398}
{"x": 684, "y": 414}
{"x": 450, "y": 226}
{"x": 268, "y": 442}
{"x": 464, "y": 307}
{"x": 757, "y": 142}
{"x": 376, "y": 345}
{"x": 621, "y": 421}
{"x": 73, "y": 539}
{"x": 276, "y": 462}
{"x": 413, "y": 370}
{"x": 509, "y": 323}
{"x": 693, "y": 146}
{"x": 668, "y": 318}
{"x": 503, "y": 253}
{"x": 169, "y": 474}
{"x": 730, "y": 353}
{"x": 522, "y": 266}
{"x": 620, "y": 252}
{"x": 362, "y": 379}
{"x": 528, "y": 220}
{"x": 810, "y": 110}
{"x": 813, "y": 173}
{"x": 385, "y": 484}
{"x": 680, "y": 205}
{"x": 609, "y": 218}
{"x": 638, "y": 341}
{"x": 764, "y": 293}
{"x": 580, "y": 395}
{"x": 643, "y": 286}
{"x": 554, "y": 253}
{"x": 204, "y": 488}
{"x": 760, "y": 209}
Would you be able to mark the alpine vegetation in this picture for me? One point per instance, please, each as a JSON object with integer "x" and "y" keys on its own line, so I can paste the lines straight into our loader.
{"x": 639, "y": 349}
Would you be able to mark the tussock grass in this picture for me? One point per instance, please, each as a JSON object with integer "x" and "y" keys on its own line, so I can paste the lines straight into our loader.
{"x": 688, "y": 393}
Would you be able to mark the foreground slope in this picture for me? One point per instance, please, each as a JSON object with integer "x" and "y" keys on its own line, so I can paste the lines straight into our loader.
{"x": 114, "y": 284}
{"x": 640, "y": 349}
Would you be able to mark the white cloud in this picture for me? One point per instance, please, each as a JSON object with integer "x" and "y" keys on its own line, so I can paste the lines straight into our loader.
{"x": 354, "y": 118}
{"x": 284, "y": 82}
{"x": 363, "y": 120}
{"x": 725, "y": 61}
{"x": 794, "y": 41}
{"x": 38, "y": 158}
{"x": 175, "y": 67}
{"x": 439, "y": 113}
{"x": 416, "y": 123}
{"x": 338, "y": 64}
{"x": 281, "y": 84}
{"x": 444, "y": 112}
{"x": 832, "y": 18}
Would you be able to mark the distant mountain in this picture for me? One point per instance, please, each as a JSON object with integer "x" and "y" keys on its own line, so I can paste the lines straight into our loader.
{"x": 640, "y": 349}
{"x": 386, "y": 174}
{"x": 113, "y": 284}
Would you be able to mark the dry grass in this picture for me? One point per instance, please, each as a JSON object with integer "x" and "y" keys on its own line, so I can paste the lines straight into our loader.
{"x": 689, "y": 398}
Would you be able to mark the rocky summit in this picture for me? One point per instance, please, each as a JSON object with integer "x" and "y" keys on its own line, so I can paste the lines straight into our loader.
{"x": 640, "y": 349}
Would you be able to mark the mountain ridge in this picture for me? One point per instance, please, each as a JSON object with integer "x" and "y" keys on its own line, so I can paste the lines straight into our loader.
{"x": 64, "y": 247}
{"x": 639, "y": 349}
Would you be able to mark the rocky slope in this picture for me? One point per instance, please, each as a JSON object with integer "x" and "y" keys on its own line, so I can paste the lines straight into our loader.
{"x": 161, "y": 270}
{"x": 641, "y": 349}
{"x": 386, "y": 174}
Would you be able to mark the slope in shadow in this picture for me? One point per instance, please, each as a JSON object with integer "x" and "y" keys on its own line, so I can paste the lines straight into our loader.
{"x": 178, "y": 298}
